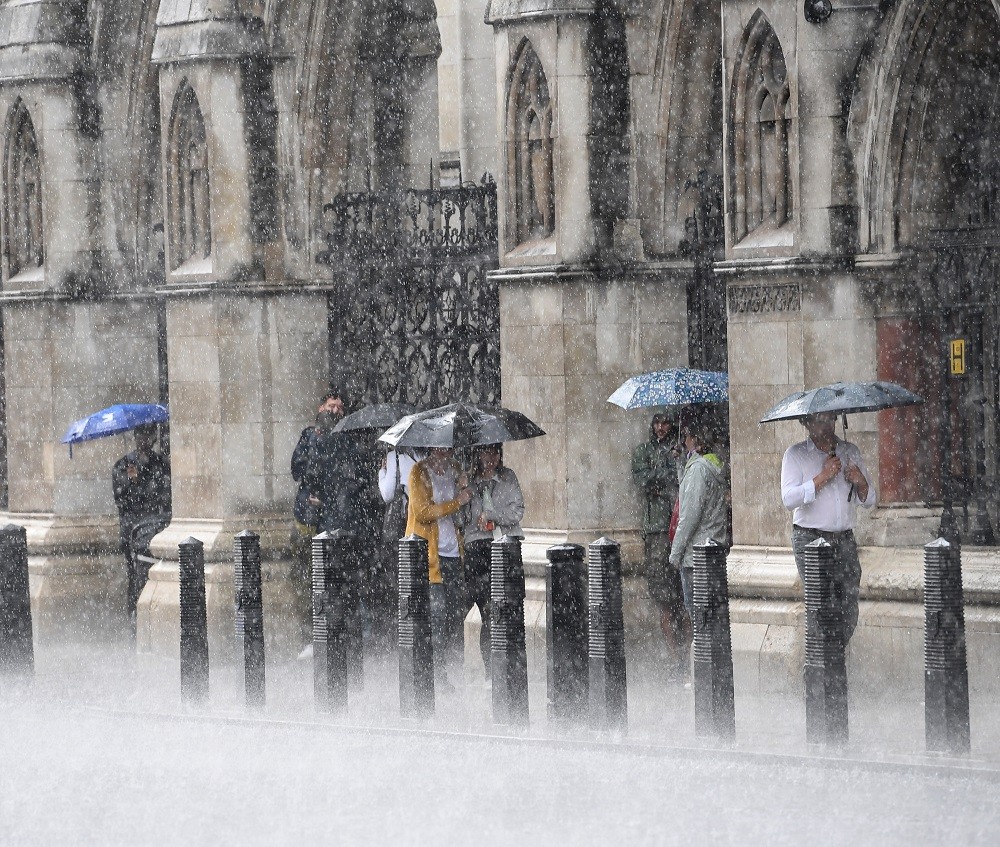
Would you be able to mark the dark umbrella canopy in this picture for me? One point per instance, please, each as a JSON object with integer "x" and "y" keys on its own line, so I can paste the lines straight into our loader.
{"x": 460, "y": 425}
{"x": 375, "y": 416}
{"x": 842, "y": 398}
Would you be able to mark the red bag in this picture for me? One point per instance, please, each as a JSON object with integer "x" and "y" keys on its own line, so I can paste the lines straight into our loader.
{"x": 675, "y": 517}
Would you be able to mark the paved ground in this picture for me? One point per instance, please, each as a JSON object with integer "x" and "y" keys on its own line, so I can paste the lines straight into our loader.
{"x": 99, "y": 749}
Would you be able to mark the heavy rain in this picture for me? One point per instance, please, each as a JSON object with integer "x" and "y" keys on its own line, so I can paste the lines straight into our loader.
{"x": 524, "y": 420}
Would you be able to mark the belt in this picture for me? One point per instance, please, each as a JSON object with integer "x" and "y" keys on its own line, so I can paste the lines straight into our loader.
{"x": 826, "y": 533}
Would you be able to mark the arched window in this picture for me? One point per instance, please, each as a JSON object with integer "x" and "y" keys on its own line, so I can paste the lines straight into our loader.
{"x": 529, "y": 143}
{"x": 189, "y": 203}
{"x": 760, "y": 123}
{"x": 22, "y": 195}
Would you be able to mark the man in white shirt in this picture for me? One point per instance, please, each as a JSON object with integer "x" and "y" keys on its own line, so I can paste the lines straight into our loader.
{"x": 823, "y": 480}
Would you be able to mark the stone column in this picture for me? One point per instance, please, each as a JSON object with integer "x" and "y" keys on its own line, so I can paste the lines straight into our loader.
{"x": 69, "y": 349}
{"x": 247, "y": 357}
{"x": 574, "y": 324}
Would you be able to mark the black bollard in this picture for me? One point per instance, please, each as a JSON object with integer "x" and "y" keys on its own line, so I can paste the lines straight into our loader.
{"x": 348, "y": 560}
{"x": 334, "y": 648}
{"x": 250, "y": 613}
{"x": 714, "y": 707}
{"x": 416, "y": 656}
{"x": 17, "y": 651}
{"x": 566, "y": 633}
{"x": 194, "y": 622}
{"x": 608, "y": 692}
{"x": 825, "y": 669}
{"x": 946, "y": 678}
{"x": 508, "y": 656}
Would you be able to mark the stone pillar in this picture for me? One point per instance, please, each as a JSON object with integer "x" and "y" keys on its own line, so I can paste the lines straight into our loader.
{"x": 246, "y": 348}
{"x": 596, "y": 322}
{"x": 557, "y": 40}
{"x": 245, "y": 370}
{"x": 68, "y": 348}
{"x": 595, "y": 333}
{"x": 799, "y": 313}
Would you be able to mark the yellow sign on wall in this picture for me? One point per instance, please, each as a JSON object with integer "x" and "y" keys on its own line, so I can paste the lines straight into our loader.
{"x": 958, "y": 357}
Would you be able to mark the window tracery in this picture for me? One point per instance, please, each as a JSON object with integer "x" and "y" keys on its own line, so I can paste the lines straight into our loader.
{"x": 761, "y": 124}
{"x": 188, "y": 180}
{"x": 529, "y": 139}
{"x": 23, "y": 195}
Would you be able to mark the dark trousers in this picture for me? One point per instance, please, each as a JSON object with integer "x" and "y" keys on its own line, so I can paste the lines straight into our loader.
{"x": 448, "y": 614}
{"x": 846, "y": 571}
{"x": 477, "y": 585}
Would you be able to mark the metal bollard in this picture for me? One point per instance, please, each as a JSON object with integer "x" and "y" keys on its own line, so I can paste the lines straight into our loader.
{"x": 347, "y": 558}
{"x": 825, "y": 668}
{"x": 566, "y": 633}
{"x": 714, "y": 706}
{"x": 17, "y": 651}
{"x": 194, "y": 622}
{"x": 329, "y": 623}
{"x": 608, "y": 692}
{"x": 416, "y": 655}
{"x": 946, "y": 678}
{"x": 250, "y": 613}
{"x": 508, "y": 657}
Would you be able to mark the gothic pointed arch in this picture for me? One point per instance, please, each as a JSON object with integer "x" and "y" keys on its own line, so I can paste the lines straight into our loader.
{"x": 123, "y": 34}
{"x": 925, "y": 112}
{"x": 530, "y": 175}
{"x": 686, "y": 138}
{"x": 760, "y": 185}
{"x": 22, "y": 194}
{"x": 189, "y": 227}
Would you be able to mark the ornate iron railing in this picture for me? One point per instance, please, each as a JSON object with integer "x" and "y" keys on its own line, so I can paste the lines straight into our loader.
{"x": 416, "y": 316}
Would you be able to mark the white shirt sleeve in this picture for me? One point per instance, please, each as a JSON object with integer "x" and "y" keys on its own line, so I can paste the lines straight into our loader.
{"x": 387, "y": 477}
{"x": 858, "y": 459}
{"x": 795, "y": 491}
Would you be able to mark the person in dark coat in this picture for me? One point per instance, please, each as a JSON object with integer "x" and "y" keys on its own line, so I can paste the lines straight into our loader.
{"x": 140, "y": 482}
{"x": 654, "y": 473}
{"x": 339, "y": 478}
{"x": 305, "y": 513}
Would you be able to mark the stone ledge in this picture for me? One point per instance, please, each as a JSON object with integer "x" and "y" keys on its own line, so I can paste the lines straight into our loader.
{"x": 887, "y": 573}
{"x": 61, "y": 535}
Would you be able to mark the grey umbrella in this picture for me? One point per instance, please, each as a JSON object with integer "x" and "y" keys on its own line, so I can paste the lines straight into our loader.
{"x": 842, "y": 398}
{"x": 375, "y": 416}
{"x": 460, "y": 425}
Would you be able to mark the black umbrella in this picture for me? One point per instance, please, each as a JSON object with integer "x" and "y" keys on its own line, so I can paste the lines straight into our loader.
{"x": 375, "y": 416}
{"x": 460, "y": 425}
{"x": 842, "y": 398}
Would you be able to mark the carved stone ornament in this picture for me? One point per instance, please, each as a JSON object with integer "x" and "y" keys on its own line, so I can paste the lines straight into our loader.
{"x": 764, "y": 299}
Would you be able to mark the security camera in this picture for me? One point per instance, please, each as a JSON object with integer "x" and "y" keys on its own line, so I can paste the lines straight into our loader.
{"x": 817, "y": 11}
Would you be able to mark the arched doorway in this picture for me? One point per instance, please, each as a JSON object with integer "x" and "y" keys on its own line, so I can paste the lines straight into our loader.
{"x": 940, "y": 335}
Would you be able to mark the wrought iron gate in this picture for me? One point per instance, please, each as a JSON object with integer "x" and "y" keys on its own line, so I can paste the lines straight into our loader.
{"x": 414, "y": 317}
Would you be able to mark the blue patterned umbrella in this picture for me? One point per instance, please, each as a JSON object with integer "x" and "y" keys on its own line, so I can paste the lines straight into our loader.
{"x": 672, "y": 387}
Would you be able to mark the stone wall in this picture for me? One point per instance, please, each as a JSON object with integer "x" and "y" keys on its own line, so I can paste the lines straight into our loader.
{"x": 567, "y": 342}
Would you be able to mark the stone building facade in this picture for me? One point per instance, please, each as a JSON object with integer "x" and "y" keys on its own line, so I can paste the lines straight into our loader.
{"x": 795, "y": 192}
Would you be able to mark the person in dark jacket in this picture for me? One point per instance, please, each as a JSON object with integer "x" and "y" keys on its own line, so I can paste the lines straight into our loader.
{"x": 140, "y": 482}
{"x": 654, "y": 472}
{"x": 339, "y": 479}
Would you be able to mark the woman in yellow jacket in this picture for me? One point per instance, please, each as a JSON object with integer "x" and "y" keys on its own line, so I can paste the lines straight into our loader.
{"x": 437, "y": 491}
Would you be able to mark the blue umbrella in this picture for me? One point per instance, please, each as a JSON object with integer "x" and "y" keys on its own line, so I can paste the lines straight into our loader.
{"x": 672, "y": 387}
{"x": 113, "y": 420}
